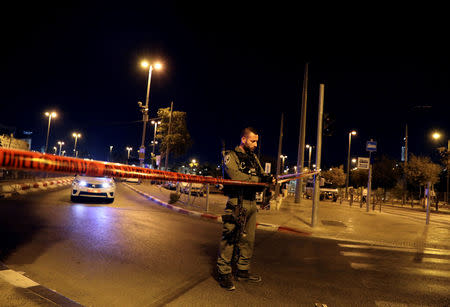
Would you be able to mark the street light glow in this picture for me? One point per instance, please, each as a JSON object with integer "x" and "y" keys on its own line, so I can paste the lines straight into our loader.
{"x": 144, "y": 64}
{"x": 158, "y": 66}
{"x": 354, "y": 160}
{"x": 353, "y": 132}
{"x": 436, "y": 135}
{"x": 76, "y": 135}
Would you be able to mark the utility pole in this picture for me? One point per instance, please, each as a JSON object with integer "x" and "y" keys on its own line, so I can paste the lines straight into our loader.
{"x": 405, "y": 164}
{"x": 169, "y": 131}
{"x": 280, "y": 144}
{"x": 316, "y": 197}
{"x": 448, "y": 164}
{"x": 301, "y": 141}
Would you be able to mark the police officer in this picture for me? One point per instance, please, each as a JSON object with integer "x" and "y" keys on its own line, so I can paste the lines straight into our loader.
{"x": 243, "y": 165}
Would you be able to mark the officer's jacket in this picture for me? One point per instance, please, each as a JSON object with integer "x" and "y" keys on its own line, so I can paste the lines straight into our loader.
{"x": 242, "y": 166}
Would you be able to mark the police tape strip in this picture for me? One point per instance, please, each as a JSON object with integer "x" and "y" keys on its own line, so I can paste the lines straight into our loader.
{"x": 9, "y": 190}
{"x": 262, "y": 226}
{"x": 35, "y": 161}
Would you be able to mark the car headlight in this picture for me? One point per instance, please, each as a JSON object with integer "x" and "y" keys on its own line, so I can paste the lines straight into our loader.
{"x": 83, "y": 183}
{"x": 108, "y": 184}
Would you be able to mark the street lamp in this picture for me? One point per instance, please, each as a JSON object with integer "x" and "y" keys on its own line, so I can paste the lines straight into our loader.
{"x": 50, "y": 115}
{"x": 54, "y": 149}
{"x": 282, "y": 161}
{"x": 63, "y": 153}
{"x": 348, "y": 161}
{"x": 76, "y": 136}
{"x": 129, "y": 149}
{"x": 60, "y": 143}
{"x": 144, "y": 108}
{"x": 436, "y": 135}
{"x": 110, "y": 153}
{"x": 154, "y": 142}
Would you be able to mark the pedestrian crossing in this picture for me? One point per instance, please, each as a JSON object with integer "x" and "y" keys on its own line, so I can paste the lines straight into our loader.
{"x": 408, "y": 270}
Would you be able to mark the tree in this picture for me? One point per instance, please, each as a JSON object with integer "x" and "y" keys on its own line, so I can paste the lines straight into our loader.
{"x": 385, "y": 173}
{"x": 179, "y": 139}
{"x": 420, "y": 171}
{"x": 359, "y": 177}
{"x": 335, "y": 176}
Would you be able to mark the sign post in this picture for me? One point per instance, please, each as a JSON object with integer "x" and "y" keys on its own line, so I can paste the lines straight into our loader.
{"x": 363, "y": 163}
{"x": 370, "y": 147}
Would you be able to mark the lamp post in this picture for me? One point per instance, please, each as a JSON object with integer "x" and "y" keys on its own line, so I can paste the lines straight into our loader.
{"x": 76, "y": 136}
{"x": 129, "y": 149}
{"x": 144, "y": 108}
{"x": 50, "y": 115}
{"x": 54, "y": 150}
{"x": 63, "y": 153}
{"x": 110, "y": 153}
{"x": 309, "y": 157}
{"x": 282, "y": 161}
{"x": 156, "y": 123}
{"x": 348, "y": 161}
{"x": 446, "y": 152}
{"x": 60, "y": 143}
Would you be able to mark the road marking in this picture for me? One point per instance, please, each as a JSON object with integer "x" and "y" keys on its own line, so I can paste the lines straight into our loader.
{"x": 405, "y": 270}
{"x": 17, "y": 279}
{"x": 436, "y": 260}
{"x": 428, "y": 251}
{"x": 356, "y": 254}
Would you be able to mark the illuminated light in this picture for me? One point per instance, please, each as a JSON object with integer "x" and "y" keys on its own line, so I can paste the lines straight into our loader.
{"x": 436, "y": 135}
{"x": 83, "y": 183}
{"x": 158, "y": 66}
{"x": 144, "y": 64}
{"x": 353, "y": 132}
{"x": 354, "y": 160}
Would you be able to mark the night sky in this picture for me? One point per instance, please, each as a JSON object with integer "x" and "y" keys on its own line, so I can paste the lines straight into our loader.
{"x": 228, "y": 66}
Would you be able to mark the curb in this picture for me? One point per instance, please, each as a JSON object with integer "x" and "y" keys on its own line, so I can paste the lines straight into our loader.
{"x": 218, "y": 219}
{"x": 18, "y": 280}
{"x": 9, "y": 190}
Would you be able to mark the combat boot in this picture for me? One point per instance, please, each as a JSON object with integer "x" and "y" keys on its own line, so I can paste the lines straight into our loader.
{"x": 226, "y": 281}
{"x": 244, "y": 275}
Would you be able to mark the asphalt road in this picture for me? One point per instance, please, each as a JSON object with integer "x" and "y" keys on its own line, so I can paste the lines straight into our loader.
{"x": 135, "y": 253}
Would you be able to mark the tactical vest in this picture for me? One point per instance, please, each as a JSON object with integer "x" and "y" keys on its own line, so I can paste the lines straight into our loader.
{"x": 248, "y": 164}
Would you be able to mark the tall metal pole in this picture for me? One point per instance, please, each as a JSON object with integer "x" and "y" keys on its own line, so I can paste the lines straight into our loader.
{"x": 154, "y": 137}
{"x": 309, "y": 158}
{"x": 48, "y": 132}
{"x": 280, "y": 144}
{"x": 145, "y": 118}
{"x": 301, "y": 141}
{"x": 369, "y": 182}
{"x": 448, "y": 164}
{"x": 428, "y": 203}
{"x": 348, "y": 164}
{"x": 316, "y": 198}
{"x": 405, "y": 164}
{"x": 75, "y": 146}
{"x": 169, "y": 131}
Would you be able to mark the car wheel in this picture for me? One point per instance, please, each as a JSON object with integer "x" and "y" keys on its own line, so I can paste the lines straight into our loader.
{"x": 73, "y": 198}
{"x": 110, "y": 200}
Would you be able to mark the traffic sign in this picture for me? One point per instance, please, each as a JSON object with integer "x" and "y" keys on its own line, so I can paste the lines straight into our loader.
{"x": 371, "y": 146}
{"x": 363, "y": 163}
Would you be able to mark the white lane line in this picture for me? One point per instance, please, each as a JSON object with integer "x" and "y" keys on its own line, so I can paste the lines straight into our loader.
{"x": 356, "y": 254}
{"x": 428, "y": 251}
{"x": 405, "y": 270}
{"x": 436, "y": 260}
{"x": 17, "y": 279}
{"x": 362, "y": 266}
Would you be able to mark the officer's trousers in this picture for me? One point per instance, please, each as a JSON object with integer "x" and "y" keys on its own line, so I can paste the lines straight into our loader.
{"x": 245, "y": 242}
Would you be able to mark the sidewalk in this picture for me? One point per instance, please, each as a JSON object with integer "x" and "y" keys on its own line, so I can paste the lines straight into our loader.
{"x": 336, "y": 221}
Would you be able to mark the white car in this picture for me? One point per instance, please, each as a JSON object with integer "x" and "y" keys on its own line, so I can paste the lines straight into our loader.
{"x": 98, "y": 187}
